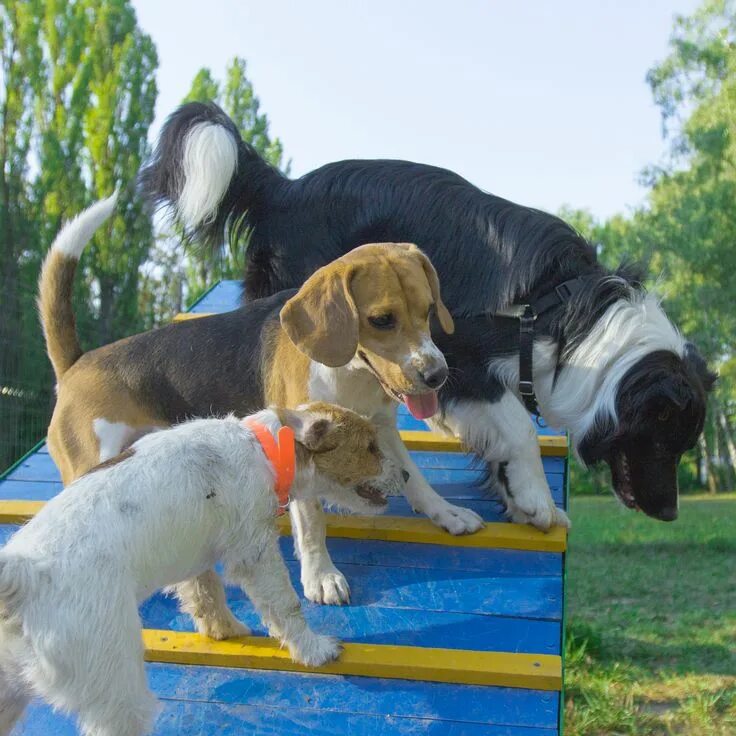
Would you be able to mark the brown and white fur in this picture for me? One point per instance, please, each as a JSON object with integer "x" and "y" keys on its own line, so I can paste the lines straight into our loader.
{"x": 169, "y": 507}
{"x": 317, "y": 343}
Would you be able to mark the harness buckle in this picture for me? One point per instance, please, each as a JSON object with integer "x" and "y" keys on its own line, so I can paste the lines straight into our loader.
{"x": 564, "y": 292}
{"x": 526, "y": 388}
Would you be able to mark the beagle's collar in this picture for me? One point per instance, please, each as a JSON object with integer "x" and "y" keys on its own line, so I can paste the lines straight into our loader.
{"x": 281, "y": 453}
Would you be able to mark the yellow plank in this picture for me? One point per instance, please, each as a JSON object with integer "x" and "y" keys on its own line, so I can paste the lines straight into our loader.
{"x": 549, "y": 445}
{"x": 386, "y": 528}
{"x": 461, "y": 666}
{"x": 183, "y": 316}
{"x": 494, "y": 535}
{"x": 18, "y": 512}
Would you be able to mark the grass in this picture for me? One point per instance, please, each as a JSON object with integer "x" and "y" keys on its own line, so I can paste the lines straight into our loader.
{"x": 651, "y": 647}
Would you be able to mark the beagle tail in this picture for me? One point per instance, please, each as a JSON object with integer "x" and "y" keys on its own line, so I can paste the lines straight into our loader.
{"x": 56, "y": 284}
{"x": 209, "y": 176}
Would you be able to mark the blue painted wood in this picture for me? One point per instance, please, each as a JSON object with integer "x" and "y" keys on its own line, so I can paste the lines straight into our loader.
{"x": 321, "y": 694}
{"x": 368, "y": 552}
{"x": 374, "y": 587}
{"x": 378, "y": 625}
{"x": 179, "y": 718}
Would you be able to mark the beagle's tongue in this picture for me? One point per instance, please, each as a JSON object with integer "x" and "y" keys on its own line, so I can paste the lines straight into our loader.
{"x": 422, "y": 406}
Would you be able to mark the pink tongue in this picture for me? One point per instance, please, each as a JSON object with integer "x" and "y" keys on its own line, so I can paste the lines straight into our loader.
{"x": 422, "y": 406}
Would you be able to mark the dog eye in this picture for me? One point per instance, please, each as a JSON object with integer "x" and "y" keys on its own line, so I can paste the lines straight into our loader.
{"x": 383, "y": 321}
{"x": 373, "y": 448}
{"x": 664, "y": 415}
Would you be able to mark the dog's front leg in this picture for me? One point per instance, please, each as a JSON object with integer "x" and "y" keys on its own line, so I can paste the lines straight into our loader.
{"x": 421, "y": 495}
{"x": 267, "y": 583}
{"x": 321, "y": 580}
{"x": 502, "y": 434}
{"x": 203, "y": 598}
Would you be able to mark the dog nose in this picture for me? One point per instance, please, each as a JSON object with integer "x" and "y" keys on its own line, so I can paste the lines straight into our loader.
{"x": 435, "y": 378}
{"x": 668, "y": 513}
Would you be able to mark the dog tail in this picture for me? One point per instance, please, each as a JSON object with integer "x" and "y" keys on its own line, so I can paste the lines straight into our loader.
{"x": 210, "y": 177}
{"x": 56, "y": 284}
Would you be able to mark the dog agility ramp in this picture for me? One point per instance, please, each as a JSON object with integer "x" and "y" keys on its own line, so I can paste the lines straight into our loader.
{"x": 444, "y": 635}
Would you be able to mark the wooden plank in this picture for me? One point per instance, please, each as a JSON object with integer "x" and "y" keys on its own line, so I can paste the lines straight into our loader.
{"x": 387, "y": 528}
{"x": 549, "y": 445}
{"x": 423, "y": 531}
{"x": 187, "y": 717}
{"x": 370, "y": 622}
{"x": 532, "y": 671}
{"x": 19, "y": 512}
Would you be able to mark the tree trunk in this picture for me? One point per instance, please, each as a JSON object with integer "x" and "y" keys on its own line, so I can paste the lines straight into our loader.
{"x": 728, "y": 440}
{"x": 710, "y": 477}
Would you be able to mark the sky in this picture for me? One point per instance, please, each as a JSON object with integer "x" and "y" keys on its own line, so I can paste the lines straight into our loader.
{"x": 544, "y": 103}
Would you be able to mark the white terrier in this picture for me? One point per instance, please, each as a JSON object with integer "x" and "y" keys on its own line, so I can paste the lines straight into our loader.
{"x": 163, "y": 511}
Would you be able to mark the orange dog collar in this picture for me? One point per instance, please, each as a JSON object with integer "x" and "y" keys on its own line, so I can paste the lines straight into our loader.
{"x": 281, "y": 454}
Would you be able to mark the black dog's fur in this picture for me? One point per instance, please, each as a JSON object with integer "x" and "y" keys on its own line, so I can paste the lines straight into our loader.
{"x": 489, "y": 253}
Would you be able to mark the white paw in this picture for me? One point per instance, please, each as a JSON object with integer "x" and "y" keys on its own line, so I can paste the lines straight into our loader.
{"x": 457, "y": 520}
{"x": 313, "y": 649}
{"x": 327, "y": 586}
{"x": 221, "y": 627}
{"x": 538, "y": 510}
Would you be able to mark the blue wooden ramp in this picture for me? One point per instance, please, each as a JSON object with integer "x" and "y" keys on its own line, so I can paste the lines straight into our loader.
{"x": 429, "y": 614}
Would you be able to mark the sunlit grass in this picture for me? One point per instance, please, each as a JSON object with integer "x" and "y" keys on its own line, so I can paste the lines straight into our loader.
{"x": 652, "y": 620}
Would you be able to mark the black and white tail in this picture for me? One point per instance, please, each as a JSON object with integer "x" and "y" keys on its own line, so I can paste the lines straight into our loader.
{"x": 207, "y": 174}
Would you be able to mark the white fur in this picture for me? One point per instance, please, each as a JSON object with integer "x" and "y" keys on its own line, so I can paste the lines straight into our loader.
{"x": 586, "y": 389}
{"x": 71, "y": 579}
{"x": 210, "y": 160}
{"x": 354, "y": 387}
{"x": 75, "y": 235}
{"x": 113, "y": 437}
{"x": 503, "y": 432}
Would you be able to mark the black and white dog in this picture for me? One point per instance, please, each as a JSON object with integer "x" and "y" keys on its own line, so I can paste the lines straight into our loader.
{"x": 608, "y": 364}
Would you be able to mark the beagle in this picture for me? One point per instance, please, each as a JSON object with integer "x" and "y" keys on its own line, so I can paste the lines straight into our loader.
{"x": 72, "y": 578}
{"x": 356, "y": 334}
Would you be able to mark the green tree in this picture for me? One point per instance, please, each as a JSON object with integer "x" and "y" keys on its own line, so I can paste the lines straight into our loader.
{"x": 76, "y": 101}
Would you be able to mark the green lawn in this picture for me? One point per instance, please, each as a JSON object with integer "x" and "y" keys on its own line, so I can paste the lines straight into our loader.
{"x": 652, "y": 620}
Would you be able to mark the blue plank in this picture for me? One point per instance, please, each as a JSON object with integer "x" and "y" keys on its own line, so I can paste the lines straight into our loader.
{"x": 187, "y": 718}
{"x": 527, "y": 596}
{"x": 503, "y": 563}
{"x": 324, "y": 695}
{"x": 378, "y": 625}
{"x": 451, "y": 483}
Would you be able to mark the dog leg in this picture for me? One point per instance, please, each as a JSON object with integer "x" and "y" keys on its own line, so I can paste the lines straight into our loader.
{"x": 321, "y": 580}
{"x": 204, "y": 599}
{"x": 421, "y": 495}
{"x": 269, "y": 587}
{"x": 12, "y": 704}
{"x": 502, "y": 434}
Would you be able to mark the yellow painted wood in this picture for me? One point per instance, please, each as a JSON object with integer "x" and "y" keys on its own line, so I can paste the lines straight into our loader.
{"x": 468, "y": 667}
{"x": 18, "y": 512}
{"x": 549, "y": 445}
{"x": 385, "y": 528}
{"x": 183, "y": 316}
{"x": 422, "y": 531}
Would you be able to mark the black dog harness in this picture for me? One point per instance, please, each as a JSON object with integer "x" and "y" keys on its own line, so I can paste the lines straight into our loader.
{"x": 527, "y": 315}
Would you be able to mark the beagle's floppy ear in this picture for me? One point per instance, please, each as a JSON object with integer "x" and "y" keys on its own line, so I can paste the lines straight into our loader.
{"x": 443, "y": 313}
{"x": 321, "y": 319}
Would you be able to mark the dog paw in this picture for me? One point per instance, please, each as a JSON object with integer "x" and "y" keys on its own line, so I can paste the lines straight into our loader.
{"x": 457, "y": 520}
{"x": 539, "y": 511}
{"x": 314, "y": 650}
{"x": 327, "y": 586}
{"x": 221, "y": 627}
